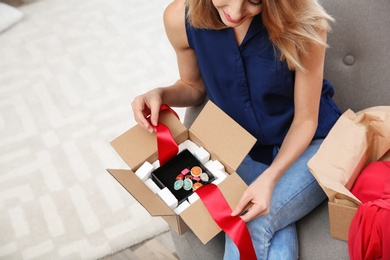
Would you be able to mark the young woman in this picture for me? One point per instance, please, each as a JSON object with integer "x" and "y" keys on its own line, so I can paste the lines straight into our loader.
{"x": 262, "y": 63}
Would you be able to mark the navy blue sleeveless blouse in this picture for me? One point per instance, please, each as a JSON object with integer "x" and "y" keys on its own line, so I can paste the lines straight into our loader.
{"x": 251, "y": 85}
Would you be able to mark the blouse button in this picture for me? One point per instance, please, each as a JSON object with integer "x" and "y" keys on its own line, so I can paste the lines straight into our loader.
{"x": 349, "y": 60}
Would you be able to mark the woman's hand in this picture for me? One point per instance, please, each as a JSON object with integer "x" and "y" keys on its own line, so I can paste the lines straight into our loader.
{"x": 258, "y": 195}
{"x": 146, "y": 109}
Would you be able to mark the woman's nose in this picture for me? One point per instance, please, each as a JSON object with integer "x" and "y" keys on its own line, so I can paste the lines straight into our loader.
{"x": 236, "y": 9}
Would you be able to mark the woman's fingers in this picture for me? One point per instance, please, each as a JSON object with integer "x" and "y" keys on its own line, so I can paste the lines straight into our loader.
{"x": 253, "y": 203}
{"x": 142, "y": 113}
{"x": 154, "y": 111}
{"x": 253, "y": 212}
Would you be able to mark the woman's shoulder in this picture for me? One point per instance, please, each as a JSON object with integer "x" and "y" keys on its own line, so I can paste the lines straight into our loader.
{"x": 176, "y": 6}
{"x": 174, "y": 15}
{"x": 174, "y": 22}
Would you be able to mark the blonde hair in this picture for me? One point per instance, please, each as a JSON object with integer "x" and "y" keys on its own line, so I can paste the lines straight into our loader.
{"x": 292, "y": 25}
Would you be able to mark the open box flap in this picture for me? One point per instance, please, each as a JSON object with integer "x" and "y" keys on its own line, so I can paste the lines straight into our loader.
{"x": 136, "y": 187}
{"x": 137, "y": 145}
{"x": 197, "y": 216}
{"x": 227, "y": 138}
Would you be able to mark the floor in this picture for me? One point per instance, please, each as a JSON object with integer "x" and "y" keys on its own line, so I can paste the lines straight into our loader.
{"x": 48, "y": 59}
{"x": 159, "y": 248}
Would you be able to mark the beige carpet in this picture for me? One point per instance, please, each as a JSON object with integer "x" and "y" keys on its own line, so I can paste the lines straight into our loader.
{"x": 68, "y": 72}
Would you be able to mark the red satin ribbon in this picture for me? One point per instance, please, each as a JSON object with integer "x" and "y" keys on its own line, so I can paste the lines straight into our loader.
{"x": 234, "y": 227}
{"x": 166, "y": 145}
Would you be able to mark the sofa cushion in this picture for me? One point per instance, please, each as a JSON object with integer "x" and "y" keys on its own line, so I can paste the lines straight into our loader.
{"x": 358, "y": 60}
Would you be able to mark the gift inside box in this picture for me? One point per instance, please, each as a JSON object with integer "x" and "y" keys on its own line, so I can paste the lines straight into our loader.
{"x": 165, "y": 176}
{"x": 228, "y": 144}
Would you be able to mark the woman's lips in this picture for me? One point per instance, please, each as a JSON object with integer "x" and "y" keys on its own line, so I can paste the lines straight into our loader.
{"x": 232, "y": 20}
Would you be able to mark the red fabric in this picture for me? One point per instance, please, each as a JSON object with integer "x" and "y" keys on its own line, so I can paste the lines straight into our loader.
{"x": 234, "y": 227}
{"x": 166, "y": 145}
{"x": 369, "y": 233}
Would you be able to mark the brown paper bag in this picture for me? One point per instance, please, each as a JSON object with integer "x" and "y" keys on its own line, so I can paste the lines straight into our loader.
{"x": 354, "y": 141}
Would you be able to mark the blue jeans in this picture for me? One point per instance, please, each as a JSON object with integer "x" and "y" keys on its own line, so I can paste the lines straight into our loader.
{"x": 297, "y": 193}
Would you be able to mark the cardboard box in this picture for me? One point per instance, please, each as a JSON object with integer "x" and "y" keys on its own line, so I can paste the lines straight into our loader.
{"x": 340, "y": 218}
{"x": 223, "y": 138}
{"x": 355, "y": 140}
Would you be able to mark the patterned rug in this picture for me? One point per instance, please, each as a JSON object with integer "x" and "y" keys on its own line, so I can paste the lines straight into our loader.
{"x": 68, "y": 72}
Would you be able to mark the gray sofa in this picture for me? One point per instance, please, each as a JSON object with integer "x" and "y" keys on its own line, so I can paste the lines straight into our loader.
{"x": 358, "y": 65}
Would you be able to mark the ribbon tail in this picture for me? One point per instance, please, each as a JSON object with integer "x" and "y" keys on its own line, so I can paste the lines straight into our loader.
{"x": 234, "y": 227}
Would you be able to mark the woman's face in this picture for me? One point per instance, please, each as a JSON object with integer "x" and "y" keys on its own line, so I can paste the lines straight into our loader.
{"x": 236, "y": 12}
